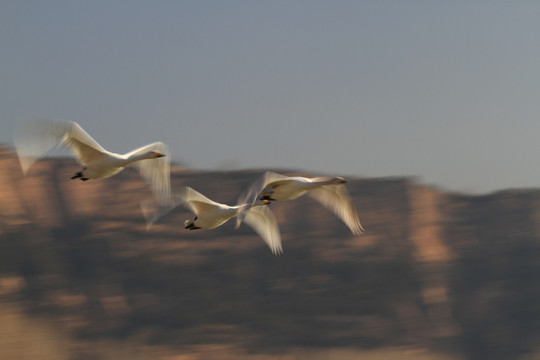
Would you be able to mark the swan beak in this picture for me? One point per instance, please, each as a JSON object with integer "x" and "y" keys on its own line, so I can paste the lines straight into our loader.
{"x": 266, "y": 202}
{"x": 158, "y": 154}
{"x": 341, "y": 180}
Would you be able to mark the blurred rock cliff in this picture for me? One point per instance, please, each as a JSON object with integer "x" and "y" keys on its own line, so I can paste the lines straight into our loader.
{"x": 436, "y": 273}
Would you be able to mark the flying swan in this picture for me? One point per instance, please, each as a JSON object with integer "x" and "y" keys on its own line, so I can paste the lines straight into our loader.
{"x": 328, "y": 191}
{"x": 210, "y": 214}
{"x": 39, "y": 137}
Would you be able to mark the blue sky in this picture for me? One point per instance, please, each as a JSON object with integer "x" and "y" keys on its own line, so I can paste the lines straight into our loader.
{"x": 446, "y": 91}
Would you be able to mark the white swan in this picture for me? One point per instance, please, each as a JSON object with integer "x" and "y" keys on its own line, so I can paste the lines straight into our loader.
{"x": 329, "y": 191}
{"x": 210, "y": 214}
{"x": 37, "y": 139}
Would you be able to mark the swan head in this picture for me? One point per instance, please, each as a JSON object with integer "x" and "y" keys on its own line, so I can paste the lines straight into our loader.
{"x": 190, "y": 224}
{"x": 339, "y": 180}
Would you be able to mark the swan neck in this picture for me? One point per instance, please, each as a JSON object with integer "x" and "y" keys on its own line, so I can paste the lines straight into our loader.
{"x": 323, "y": 181}
{"x": 133, "y": 158}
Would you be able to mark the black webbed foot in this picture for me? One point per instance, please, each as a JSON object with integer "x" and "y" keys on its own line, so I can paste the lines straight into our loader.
{"x": 77, "y": 175}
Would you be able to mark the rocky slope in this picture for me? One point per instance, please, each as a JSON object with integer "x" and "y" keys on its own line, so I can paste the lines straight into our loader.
{"x": 436, "y": 274}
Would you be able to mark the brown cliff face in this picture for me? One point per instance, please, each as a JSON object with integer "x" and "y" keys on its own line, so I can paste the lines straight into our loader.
{"x": 436, "y": 274}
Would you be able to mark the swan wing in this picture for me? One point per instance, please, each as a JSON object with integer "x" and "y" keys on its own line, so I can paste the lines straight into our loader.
{"x": 262, "y": 220}
{"x": 152, "y": 211}
{"x": 195, "y": 201}
{"x": 83, "y": 146}
{"x": 337, "y": 199}
{"x": 156, "y": 172}
{"x": 251, "y": 194}
{"x": 37, "y": 138}
{"x": 268, "y": 179}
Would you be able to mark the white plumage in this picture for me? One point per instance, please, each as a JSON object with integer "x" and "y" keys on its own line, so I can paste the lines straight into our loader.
{"x": 39, "y": 137}
{"x": 210, "y": 214}
{"x": 329, "y": 191}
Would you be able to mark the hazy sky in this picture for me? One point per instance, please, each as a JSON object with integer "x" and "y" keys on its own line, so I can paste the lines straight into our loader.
{"x": 446, "y": 91}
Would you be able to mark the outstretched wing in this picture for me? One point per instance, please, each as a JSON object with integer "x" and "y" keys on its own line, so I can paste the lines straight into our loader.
{"x": 37, "y": 138}
{"x": 195, "y": 201}
{"x": 262, "y": 220}
{"x": 156, "y": 172}
{"x": 251, "y": 194}
{"x": 153, "y": 211}
{"x": 84, "y": 147}
{"x": 337, "y": 199}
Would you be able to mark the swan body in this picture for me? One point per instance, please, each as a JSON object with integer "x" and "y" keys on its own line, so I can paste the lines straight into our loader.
{"x": 329, "y": 191}
{"x": 210, "y": 215}
{"x": 98, "y": 163}
{"x": 111, "y": 164}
